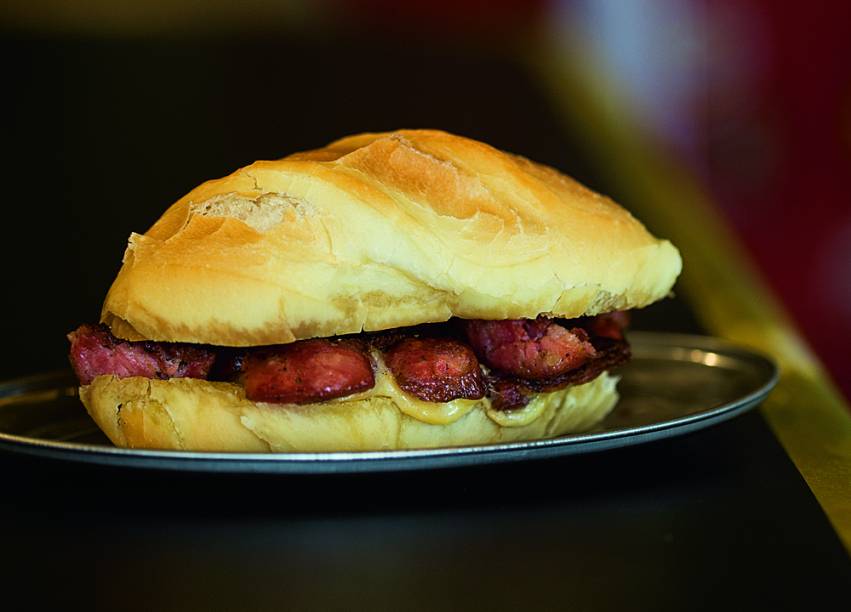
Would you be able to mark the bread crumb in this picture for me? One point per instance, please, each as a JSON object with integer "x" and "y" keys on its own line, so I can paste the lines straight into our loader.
{"x": 261, "y": 213}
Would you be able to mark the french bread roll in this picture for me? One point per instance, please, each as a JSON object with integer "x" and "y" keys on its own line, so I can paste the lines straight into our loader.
{"x": 379, "y": 231}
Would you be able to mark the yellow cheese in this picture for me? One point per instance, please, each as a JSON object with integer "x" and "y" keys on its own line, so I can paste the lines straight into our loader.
{"x": 434, "y": 413}
{"x": 518, "y": 417}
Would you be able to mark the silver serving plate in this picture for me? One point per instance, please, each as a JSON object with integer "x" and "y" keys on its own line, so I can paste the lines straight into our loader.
{"x": 673, "y": 385}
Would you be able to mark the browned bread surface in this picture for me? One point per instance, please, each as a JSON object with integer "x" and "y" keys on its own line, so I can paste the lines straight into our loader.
{"x": 378, "y": 231}
{"x": 191, "y": 414}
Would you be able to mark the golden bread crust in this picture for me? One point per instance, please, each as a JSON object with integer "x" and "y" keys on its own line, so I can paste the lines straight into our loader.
{"x": 378, "y": 231}
{"x": 198, "y": 415}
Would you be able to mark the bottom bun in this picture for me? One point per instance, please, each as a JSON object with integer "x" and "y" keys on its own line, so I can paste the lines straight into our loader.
{"x": 198, "y": 415}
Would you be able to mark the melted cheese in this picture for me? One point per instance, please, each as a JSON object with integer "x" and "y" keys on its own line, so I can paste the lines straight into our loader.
{"x": 518, "y": 417}
{"x": 434, "y": 413}
{"x": 446, "y": 413}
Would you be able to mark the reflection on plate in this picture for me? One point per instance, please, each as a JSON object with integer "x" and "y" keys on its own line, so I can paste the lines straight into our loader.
{"x": 673, "y": 385}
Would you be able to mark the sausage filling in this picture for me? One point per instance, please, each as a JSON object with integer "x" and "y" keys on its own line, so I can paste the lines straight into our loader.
{"x": 507, "y": 361}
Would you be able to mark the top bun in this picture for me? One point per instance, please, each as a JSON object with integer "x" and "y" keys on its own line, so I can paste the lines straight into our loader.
{"x": 377, "y": 231}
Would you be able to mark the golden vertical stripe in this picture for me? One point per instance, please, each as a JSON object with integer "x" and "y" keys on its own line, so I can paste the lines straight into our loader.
{"x": 806, "y": 412}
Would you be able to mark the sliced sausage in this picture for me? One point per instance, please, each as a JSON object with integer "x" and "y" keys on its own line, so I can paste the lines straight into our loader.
{"x": 609, "y": 325}
{"x": 95, "y": 352}
{"x": 508, "y": 393}
{"x": 306, "y": 372}
{"x": 436, "y": 369}
{"x": 529, "y": 348}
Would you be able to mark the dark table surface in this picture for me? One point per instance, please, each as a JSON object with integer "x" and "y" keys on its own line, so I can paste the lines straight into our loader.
{"x": 109, "y": 132}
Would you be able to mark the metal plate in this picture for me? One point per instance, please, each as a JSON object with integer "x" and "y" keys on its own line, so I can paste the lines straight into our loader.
{"x": 674, "y": 384}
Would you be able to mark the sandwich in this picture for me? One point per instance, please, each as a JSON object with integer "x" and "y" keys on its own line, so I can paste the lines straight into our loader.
{"x": 411, "y": 289}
